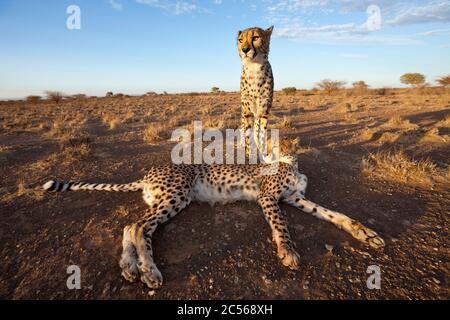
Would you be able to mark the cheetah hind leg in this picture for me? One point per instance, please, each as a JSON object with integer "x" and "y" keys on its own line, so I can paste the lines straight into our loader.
{"x": 128, "y": 261}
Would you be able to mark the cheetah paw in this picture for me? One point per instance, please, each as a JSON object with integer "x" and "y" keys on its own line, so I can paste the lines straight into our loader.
{"x": 366, "y": 235}
{"x": 152, "y": 277}
{"x": 129, "y": 270}
{"x": 289, "y": 258}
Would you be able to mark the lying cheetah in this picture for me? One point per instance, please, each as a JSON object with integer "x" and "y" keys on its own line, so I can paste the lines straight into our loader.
{"x": 169, "y": 189}
{"x": 256, "y": 83}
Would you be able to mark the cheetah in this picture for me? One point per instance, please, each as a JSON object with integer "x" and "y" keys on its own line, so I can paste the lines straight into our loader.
{"x": 168, "y": 189}
{"x": 256, "y": 85}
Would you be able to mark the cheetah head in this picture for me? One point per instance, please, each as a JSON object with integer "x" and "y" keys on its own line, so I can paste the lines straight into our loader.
{"x": 253, "y": 44}
{"x": 287, "y": 150}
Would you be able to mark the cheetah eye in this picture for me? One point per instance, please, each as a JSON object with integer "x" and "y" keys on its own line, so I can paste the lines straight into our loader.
{"x": 240, "y": 40}
{"x": 255, "y": 38}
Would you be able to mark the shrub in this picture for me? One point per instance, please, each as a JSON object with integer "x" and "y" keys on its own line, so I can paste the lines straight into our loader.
{"x": 331, "y": 86}
{"x": 109, "y": 94}
{"x": 444, "y": 81}
{"x": 33, "y": 99}
{"x": 215, "y": 89}
{"x": 360, "y": 85}
{"x": 54, "y": 96}
{"x": 413, "y": 79}
{"x": 154, "y": 132}
{"x": 289, "y": 90}
{"x": 80, "y": 96}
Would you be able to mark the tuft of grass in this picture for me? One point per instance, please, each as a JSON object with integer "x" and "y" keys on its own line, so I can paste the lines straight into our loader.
{"x": 399, "y": 123}
{"x": 444, "y": 123}
{"x": 112, "y": 121}
{"x": 397, "y": 166}
{"x": 285, "y": 123}
{"x": 75, "y": 146}
{"x": 155, "y": 131}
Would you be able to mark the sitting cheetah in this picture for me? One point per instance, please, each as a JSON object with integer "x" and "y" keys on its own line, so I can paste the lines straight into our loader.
{"x": 169, "y": 189}
{"x": 256, "y": 83}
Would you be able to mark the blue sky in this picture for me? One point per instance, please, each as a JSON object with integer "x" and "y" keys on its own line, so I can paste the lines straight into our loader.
{"x": 135, "y": 46}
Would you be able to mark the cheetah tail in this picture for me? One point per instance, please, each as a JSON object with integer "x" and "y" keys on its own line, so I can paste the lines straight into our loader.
{"x": 60, "y": 186}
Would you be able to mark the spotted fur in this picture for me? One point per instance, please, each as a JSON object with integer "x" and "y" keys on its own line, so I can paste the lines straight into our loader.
{"x": 169, "y": 189}
{"x": 256, "y": 84}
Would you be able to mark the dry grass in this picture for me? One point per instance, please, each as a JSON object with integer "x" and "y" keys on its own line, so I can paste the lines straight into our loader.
{"x": 75, "y": 146}
{"x": 112, "y": 120}
{"x": 397, "y": 166}
{"x": 399, "y": 123}
{"x": 285, "y": 123}
{"x": 155, "y": 132}
{"x": 366, "y": 134}
{"x": 23, "y": 190}
{"x": 444, "y": 123}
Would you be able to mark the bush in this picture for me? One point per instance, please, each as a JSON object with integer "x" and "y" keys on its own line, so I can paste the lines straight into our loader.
{"x": 54, "y": 96}
{"x": 331, "y": 86}
{"x": 80, "y": 96}
{"x": 33, "y": 99}
{"x": 289, "y": 90}
{"x": 413, "y": 79}
{"x": 215, "y": 89}
{"x": 383, "y": 91}
{"x": 360, "y": 85}
{"x": 109, "y": 94}
{"x": 444, "y": 81}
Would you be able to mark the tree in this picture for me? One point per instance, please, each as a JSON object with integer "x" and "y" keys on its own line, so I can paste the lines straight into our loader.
{"x": 289, "y": 90}
{"x": 360, "y": 85}
{"x": 444, "y": 81}
{"x": 54, "y": 96}
{"x": 331, "y": 86}
{"x": 215, "y": 89}
{"x": 109, "y": 94}
{"x": 413, "y": 79}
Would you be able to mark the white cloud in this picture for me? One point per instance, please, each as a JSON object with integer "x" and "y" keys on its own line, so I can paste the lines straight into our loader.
{"x": 296, "y": 19}
{"x": 217, "y": 2}
{"x": 116, "y": 5}
{"x": 433, "y": 12}
{"x": 173, "y": 7}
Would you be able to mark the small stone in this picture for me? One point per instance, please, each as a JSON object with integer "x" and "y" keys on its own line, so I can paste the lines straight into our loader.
{"x": 436, "y": 281}
{"x": 329, "y": 247}
{"x": 151, "y": 293}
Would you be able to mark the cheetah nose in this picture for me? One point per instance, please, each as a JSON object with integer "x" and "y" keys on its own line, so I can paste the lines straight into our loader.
{"x": 245, "y": 50}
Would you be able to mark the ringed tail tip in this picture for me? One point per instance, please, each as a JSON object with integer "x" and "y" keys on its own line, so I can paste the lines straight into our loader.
{"x": 48, "y": 185}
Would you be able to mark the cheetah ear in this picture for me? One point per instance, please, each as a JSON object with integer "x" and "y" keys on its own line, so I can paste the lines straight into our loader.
{"x": 239, "y": 33}
{"x": 269, "y": 31}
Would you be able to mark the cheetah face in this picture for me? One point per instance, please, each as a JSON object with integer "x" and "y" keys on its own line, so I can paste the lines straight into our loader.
{"x": 253, "y": 44}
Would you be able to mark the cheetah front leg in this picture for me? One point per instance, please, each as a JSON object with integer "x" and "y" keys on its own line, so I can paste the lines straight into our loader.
{"x": 280, "y": 233}
{"x": 355, "y": 228}
{"x": 247, "y": 123}
{"x": 261, "y": 136}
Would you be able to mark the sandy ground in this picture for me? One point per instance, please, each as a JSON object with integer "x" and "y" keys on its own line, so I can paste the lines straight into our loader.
{"x": 225, "y": 252}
